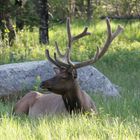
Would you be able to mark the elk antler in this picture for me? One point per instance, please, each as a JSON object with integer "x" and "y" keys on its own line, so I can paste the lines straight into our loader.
{"x": 65, "y": 59}
{"x": 50, "y": 59}
{"x": 73, "y": 38}
{"x": 99, "y": 53}
{"x": 102, "y": 51}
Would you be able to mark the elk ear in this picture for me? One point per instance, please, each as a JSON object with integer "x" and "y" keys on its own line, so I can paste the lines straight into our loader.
{"x": 57, "y": 70}
{"x": 74, "y": 74}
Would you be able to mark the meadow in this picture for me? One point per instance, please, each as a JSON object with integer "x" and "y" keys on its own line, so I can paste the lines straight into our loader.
{"x": 118, "y": 118}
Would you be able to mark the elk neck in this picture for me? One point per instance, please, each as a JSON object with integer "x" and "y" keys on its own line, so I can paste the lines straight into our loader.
{"x": 72, "y": 98}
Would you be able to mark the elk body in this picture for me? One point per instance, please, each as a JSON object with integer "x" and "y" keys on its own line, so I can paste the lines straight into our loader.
{"x": 66, "y": 96}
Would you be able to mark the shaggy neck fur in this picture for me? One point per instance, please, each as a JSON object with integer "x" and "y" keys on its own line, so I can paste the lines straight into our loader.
{"x": 72, "y": 99}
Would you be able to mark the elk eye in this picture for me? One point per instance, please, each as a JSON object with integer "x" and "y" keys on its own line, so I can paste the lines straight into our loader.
{"x": 64, "y": 77}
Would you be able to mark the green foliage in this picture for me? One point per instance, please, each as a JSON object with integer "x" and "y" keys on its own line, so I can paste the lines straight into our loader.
{"x": 118, "y": 118}
{"x": 37, "y": 83}
{"x": 121, "y": 7}
{"x": 28, "y": 14}
{"x": 27, "y": 47}
{"x": 58, "y": 9}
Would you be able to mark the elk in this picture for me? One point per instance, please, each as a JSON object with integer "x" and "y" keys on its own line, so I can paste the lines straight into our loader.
{"x": 66, "y": 96}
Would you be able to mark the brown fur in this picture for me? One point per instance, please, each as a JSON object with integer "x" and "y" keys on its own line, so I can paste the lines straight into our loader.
{"x": 36, "y": 104}
{"x": 65, "y": 84}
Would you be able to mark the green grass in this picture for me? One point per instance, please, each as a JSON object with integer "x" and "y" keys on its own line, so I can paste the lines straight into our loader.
{"x": 118, "y": 119}
{"x": 70, "y": 128}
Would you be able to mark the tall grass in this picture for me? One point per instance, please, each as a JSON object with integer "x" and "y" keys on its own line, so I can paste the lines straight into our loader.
{"x": 118, "y": 118}
{"x": 69, "y": 128}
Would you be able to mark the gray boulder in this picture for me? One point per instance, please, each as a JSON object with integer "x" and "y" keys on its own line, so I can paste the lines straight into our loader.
{"x": 18, "y": 77}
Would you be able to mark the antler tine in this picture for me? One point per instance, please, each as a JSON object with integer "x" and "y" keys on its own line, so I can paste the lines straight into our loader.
{"x": 73, "y": 38}
{"x": 50, "y": 59}
{"x": 110, "y": 37}
{"x": 60, "y": 62}
{"x": 118, "y": 31}
{"x": 58, "y": 51}
{"x": 102, "y": 51}
{"x": 88, "y": 62}
{"x": 68, "y": 51}
{"x": 84, "y": 33}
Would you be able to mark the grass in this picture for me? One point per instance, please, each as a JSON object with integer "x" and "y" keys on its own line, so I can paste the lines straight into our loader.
{"x": 118, "y": 119}
{"x": 75, "y": 127}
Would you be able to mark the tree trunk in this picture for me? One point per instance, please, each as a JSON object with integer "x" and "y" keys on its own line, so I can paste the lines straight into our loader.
{"x": 137, "y": 4}
{"x": 89, "y": 10}
{"x": 44, "y": 18}
{"x": 71, "y": 8}
{"x": 19, "y": 10}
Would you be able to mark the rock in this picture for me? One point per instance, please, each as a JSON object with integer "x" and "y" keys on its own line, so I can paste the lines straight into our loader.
{"x": 18, "y": 77}
{"x": 91, "y": 80}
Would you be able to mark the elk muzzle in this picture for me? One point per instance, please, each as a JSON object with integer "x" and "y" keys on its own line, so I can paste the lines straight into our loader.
{"x": 44, "y": 85}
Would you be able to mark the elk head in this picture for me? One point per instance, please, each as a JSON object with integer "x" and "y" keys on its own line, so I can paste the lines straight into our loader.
{"x": 62, "y": 82}
{"x": 66, "y": 72}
